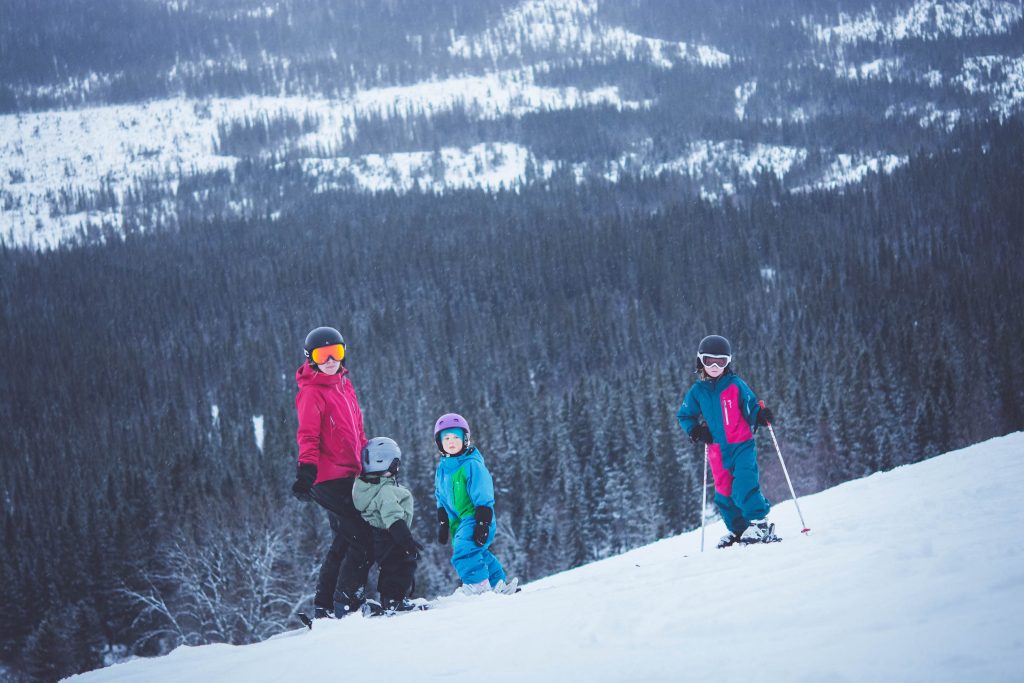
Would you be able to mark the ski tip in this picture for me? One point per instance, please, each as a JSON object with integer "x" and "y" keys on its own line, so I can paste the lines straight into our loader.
{"x": 805, "y": 530}
{"x": 306, "y": 621}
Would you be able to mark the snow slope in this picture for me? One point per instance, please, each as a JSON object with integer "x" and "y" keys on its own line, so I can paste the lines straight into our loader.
{"x": 910, "y": 575}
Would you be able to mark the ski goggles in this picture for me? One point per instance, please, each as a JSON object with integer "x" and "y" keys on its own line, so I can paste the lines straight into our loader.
{"x": 322, "y": 354}
{"x": 708, "y": 360}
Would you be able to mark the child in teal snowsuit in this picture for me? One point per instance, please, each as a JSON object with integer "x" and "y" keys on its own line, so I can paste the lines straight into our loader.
{"x": 731, "y": 417}
{"x": 464, "y": 491}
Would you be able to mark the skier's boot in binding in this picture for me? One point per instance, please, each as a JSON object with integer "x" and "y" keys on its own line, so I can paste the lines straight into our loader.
{"x": 475, "y": 588}
{"x": 728, "y": 540}
{"x": 345, "y": 604}
{"x": 510, "y": 587}
{"x": 760, "y": 531}
{"x": 397, "y": 604}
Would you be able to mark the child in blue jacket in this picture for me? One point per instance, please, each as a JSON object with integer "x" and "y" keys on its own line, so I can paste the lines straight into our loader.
{"x": 731, "y": 417}
{"x": 464, "y": 491}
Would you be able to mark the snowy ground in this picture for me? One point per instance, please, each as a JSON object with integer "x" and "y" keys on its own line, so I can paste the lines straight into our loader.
{"x": 909, "y": 575}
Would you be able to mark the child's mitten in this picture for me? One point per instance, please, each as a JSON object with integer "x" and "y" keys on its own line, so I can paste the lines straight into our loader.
{"x": 482, "y": 530}
{"x": 442, "y": 526}
{"x": 701, "y": 434}
{"x": 403, "y": 537}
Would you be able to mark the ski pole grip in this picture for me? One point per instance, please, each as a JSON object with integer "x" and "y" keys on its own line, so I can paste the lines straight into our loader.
{"x": 761, "y": 403}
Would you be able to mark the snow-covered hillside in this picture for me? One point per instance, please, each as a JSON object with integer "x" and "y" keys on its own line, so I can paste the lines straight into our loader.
{"x": 141, "y": 162}
{"x": 910, "y": 575}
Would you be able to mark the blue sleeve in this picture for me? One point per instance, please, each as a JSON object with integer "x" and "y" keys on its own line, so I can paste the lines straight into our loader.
{"x": 689, "y": 412}
{"x": 437, "y": 489}
{"x": 480, "y": 485}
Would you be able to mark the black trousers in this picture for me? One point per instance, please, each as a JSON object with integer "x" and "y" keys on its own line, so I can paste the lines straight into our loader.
{"x": 397, "y": 570}
{"x": 345, "y": 568}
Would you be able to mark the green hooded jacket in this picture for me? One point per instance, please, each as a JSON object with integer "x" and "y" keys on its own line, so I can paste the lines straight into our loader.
{"x": 382, "y": 501}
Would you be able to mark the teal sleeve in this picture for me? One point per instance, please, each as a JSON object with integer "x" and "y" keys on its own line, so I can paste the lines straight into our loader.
{"x": 689, "y": 413}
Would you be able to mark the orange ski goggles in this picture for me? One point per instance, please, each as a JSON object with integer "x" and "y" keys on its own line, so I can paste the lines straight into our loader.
{"x": 322, "y": 354}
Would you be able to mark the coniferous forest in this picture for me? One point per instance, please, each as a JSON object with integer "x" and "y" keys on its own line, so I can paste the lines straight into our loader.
{"x": 147, "y": 392}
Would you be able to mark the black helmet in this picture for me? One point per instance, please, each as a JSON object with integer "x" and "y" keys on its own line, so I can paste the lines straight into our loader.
{"x": 381, "y": 454}
{"x": 322, "y": 336}
{"x": 714, "y": 345}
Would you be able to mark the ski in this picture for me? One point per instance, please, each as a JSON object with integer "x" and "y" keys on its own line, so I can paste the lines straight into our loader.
{"x": 306, "y": 621}
{"x": 372, "y": 608}
{"x": 744, "y": 542}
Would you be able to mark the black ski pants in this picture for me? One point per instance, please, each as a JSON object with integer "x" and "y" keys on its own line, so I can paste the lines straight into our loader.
{"x": 397, "y": 569}
{"x": 344, "y": 570}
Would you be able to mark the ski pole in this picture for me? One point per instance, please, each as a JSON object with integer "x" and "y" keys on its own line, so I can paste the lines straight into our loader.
{"x": 786, "y": 472}
{"x": 704, "y": 498}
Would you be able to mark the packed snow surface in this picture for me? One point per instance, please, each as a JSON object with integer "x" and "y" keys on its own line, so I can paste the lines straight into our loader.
{"x": 908, "y": 575}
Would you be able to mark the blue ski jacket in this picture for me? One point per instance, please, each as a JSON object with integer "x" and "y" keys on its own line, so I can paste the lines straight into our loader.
{"x": 461, "y": 484}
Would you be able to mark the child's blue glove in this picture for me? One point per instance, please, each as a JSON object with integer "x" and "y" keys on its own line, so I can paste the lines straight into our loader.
{"x": 482, "y": 530}
{"x": 442, "y": 526}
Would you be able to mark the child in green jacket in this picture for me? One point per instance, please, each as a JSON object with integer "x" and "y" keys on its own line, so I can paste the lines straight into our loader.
{"x": 388, "y": 506}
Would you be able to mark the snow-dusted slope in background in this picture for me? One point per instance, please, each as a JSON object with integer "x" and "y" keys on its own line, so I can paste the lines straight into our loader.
{"x": 909, "y": 575}
{"x": 61, "y": 171}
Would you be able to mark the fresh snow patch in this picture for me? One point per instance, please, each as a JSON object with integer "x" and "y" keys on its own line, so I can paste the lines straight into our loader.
{"x": 743, "y": 94}
{"x": 572, "y": 30}
{"x": 848, "y": 169}
{"x": 926, "y": 19}
{"x": 1000, "y": 76}
{"x": 257, "y": 431}
{"x": 49, "y": 159}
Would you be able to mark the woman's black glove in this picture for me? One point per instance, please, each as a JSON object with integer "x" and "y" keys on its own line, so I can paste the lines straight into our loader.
{"x": 304, "y": 479}
{"x": 403, "y": 537}
{"x": 765, "y": 417}
{"x": 482, "y": 530}
{"x": 701, "y": 434}
{"x": 442, "y": 526}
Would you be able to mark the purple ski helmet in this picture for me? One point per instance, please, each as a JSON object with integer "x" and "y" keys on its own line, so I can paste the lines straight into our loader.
{"x": 451, "y": 421}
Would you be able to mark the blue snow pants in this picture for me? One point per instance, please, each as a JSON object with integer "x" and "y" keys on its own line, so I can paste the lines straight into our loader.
{"x": 475, "y": 563}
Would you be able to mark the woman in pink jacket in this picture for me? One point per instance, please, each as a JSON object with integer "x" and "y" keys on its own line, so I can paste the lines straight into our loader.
{"x": 331, "y": 440}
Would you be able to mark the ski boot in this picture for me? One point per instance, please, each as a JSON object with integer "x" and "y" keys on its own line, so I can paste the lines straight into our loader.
{"x": 759, "y": 531}
{"x": 475, "y": 588}
{"x": 728, "y": 540}
{"x": 397, "y": 604}
{"x": 345, "y": 604}
{"x": 508, "y": 588}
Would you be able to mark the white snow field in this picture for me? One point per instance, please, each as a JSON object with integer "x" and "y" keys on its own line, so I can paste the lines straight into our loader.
{"x": 911, "y": 575}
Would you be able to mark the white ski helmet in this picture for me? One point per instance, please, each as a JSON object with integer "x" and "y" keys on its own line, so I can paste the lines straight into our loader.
{"x": 381, "y": 454}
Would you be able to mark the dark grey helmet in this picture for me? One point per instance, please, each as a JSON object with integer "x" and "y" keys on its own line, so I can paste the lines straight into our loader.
{"x": 381, "y": 454}
{"x": 714, "y": 345}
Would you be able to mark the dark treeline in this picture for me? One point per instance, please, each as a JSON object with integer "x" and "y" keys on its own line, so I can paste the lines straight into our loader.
{"x": 146, "y": 392}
